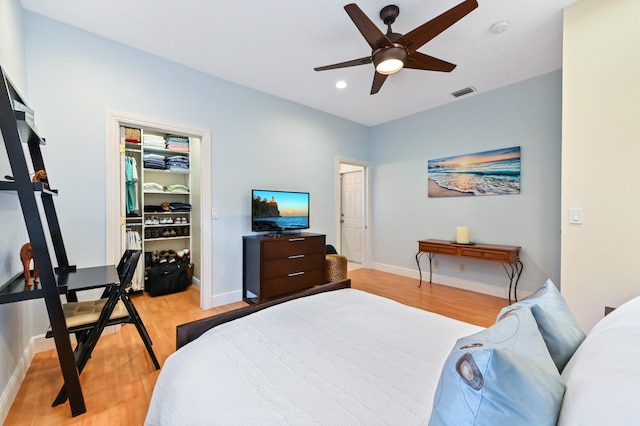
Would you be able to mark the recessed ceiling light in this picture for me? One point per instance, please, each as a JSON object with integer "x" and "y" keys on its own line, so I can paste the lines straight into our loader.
{"x": 499, "y": 27}
{"x": 341, "y": 84}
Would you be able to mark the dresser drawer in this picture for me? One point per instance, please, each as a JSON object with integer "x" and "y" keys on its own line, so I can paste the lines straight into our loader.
{"x": 293, "y": 264}
{"x": 282, "y": 285}
{"x": 283, "y": 247}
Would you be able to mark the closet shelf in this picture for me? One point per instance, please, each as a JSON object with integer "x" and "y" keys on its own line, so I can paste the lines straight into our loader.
{"x": 178, "y": 237}
{"x": 177, "y": 172}
{"x": 169, "y": 212}
{"x": 167, "y": 192}
{"x": 167, "y": 225}
{"x": 164, "y": 150}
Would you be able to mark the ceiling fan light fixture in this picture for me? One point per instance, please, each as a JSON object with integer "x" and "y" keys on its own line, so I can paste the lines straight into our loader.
{"x": 389, "y": 66}
{"x": 389, "y": 60}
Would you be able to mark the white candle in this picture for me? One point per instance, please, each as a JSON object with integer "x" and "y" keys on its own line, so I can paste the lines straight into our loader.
{"x": 462, "y": 234}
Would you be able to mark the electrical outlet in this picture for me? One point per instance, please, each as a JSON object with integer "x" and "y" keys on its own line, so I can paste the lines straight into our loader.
{"x": 462, "y": 267}
{"x": 435, "y": 264}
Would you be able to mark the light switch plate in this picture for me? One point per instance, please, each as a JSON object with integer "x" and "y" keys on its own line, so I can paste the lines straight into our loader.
{"x": 575, "y": 215}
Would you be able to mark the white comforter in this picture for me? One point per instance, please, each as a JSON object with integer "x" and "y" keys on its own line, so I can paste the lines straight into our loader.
{"x": 344, "y": 357}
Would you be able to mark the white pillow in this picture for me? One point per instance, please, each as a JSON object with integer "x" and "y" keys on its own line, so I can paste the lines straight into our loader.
{"x": 603, "y": 376}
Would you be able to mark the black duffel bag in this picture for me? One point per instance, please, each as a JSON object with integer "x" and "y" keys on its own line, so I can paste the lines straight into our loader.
{"x": 166, "y": 278}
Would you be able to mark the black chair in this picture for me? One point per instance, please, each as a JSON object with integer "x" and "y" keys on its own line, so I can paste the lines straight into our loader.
{"x": 329, "y": 249}
{"x": 87, "y": 320}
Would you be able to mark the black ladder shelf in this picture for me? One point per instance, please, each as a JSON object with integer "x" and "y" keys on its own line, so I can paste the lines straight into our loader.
{"x": 16, "y": 131}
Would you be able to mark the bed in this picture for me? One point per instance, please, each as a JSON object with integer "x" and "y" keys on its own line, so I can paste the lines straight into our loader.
{"x": 345, "y": 357}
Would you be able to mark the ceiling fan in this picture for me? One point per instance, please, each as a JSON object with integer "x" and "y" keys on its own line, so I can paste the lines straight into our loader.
{"x": 392, "y": 51}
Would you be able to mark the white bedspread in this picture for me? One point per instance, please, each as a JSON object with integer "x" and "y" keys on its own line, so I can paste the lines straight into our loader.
{"x": 344, "y": 357}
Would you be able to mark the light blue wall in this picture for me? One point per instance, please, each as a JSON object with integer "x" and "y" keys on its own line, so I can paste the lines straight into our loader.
{"x": 257, "y": 140}
{"x": 527, "y": 114}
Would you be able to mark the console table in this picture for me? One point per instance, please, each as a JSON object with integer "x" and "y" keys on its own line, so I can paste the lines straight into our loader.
{"x": 508, "y": 256}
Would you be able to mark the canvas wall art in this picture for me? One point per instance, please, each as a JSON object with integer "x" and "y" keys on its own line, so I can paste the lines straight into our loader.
{"x": 494, "y": 172}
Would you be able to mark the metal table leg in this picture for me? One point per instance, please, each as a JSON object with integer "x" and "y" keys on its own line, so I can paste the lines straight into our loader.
{"x": 430, "y": 257}
{"x": 513, "y": 272}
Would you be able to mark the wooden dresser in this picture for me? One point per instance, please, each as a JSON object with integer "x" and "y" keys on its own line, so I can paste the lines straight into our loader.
{"x": 276, "y": 266}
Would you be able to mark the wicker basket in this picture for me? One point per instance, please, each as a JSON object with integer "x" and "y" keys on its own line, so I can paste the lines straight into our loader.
{"x": 335, "y": 267}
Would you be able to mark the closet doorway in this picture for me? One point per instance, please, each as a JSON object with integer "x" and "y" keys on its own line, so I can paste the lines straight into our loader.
{"x": 353, "y": 207}
{"x": 200, "y": 188}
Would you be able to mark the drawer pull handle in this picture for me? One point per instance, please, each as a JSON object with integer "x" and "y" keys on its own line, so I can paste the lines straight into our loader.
{"x": 296, "y": 239}
{"x": 295, "y": 274}
{"x": 297, "y": 256}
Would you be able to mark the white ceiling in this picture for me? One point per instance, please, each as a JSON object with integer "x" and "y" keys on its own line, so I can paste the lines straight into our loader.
{"x": 273, "y": 46}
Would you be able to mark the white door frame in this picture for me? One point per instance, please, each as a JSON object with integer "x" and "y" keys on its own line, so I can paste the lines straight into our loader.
{"x": 366, "y": 244}
{"x": 114, "y": 201}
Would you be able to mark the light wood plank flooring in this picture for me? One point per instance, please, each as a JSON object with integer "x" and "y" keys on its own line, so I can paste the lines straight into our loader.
{"x": 118, "y": 380}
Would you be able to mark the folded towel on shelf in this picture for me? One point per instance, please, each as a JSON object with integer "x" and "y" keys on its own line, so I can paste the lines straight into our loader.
{"x": 154, "y": 141}
{"x": 152, "y": 186}
{"x": 177, "y": 188}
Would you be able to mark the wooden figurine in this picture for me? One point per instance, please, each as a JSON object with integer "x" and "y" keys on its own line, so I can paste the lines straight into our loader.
{"x": 26, "y": 255}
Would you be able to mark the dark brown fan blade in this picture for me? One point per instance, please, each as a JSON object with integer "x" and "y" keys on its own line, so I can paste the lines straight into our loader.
{"x": 378, "y": 80}
{"x": 416, "y": 38}
{"x": 352, "y": 63}
{"x": 420, "y": 61}
{"x": 368, "y": 29}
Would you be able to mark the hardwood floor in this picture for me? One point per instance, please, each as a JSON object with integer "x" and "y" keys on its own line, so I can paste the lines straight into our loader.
{"x": 118, "y": 380}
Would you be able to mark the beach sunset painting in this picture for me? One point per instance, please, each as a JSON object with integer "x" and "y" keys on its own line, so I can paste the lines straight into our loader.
{"x": 494, "y": 172}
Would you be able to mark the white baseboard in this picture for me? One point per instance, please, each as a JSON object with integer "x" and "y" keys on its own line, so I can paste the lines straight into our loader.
{"x": 482, "y": 288}
{"x": 226, "y": 298}
{"x": 196, "y": 283}
{"x": 13, "y": 386}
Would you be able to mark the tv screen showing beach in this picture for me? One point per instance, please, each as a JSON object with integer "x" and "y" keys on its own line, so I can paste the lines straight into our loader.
{"x": 494, "y": 172}
{"x": 280, "y": 210}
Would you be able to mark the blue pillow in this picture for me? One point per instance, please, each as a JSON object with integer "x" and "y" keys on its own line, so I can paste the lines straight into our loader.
{"x": 559, "y": 329}
{"x": 502, "y": 375}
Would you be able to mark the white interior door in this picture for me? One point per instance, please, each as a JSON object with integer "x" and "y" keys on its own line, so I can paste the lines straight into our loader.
{"x": 352, "y": 215}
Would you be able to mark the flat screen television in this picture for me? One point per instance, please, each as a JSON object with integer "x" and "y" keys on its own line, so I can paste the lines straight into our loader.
{"x": 278, "y": 211}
